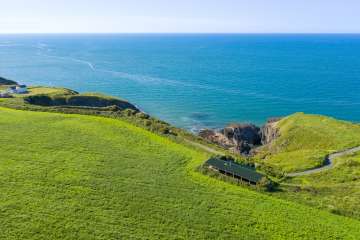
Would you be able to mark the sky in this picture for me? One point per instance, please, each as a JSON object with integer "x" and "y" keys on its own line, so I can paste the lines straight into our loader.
{"x": 180, "y": 16}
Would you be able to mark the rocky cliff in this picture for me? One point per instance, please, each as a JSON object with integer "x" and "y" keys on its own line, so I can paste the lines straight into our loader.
{"x": 80, "y": 100}
{"x": 243, "y": 138}
{"x": 269, "y": 132}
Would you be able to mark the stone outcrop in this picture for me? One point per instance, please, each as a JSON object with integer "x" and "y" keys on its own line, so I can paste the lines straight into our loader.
{"x": 269, "y": 132}
{"x": 243, "y": 138}
{"x": 216, "y": 137}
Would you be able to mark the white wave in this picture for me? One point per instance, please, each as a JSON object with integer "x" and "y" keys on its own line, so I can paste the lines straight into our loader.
{"x": 161, "y": 81}
{"x": 9, "y": 45}
{"x": 89, "y": 64}
{"x": 43, "y": 47}
{"x": 155, "y": 80}
{"x": 255, "y": 94}
{"x": 141, "y": 78}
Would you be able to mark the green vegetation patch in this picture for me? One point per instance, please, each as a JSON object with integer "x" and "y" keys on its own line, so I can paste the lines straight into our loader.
{"x": 51, "y": 99}
{"x": 46, "y": 91}
{"x": 84, "y": 177}
{"x": 306, "y": 139}
{"x": 79, "y": 100}
{"x": 337, "y": 189}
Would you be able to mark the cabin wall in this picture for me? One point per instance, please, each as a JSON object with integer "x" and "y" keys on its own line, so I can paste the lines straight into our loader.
{"x": 233, "y": 175}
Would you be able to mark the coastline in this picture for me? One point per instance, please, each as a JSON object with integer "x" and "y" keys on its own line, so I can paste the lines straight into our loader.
{"x": 239, "y": 138}
{"x": 57, "y": 99}
{"x": 221, "y": 89}
{"x": 263, "y": 158}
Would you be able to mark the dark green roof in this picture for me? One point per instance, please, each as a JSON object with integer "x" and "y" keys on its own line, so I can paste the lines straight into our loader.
{"x": 235, "y": 169}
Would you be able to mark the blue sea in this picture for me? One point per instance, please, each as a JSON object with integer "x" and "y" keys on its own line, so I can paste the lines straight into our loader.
{"x": 196, "y": 81}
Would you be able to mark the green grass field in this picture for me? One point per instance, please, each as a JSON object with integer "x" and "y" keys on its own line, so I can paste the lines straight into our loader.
{"x": 84, "y": 177}
{"x": 40, "y": 90}
{"x": 45, "y": 90}
{"x": 306, "y": 139}
{"x": 337, "y": 190}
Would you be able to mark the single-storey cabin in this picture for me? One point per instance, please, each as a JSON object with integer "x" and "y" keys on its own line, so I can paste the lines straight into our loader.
{"x": 19, "y": 89}
{"x": 234, "y": 170}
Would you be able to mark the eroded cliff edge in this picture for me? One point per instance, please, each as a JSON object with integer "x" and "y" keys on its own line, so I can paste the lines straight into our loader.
{"x": 243, "y": 138}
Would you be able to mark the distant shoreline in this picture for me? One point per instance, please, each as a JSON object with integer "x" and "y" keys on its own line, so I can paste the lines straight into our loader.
{"x": 197, "y": 81}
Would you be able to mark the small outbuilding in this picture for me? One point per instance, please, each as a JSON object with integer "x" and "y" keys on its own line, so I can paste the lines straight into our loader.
{"x": 235, "y": 170}
{"x": 19, "y": 89}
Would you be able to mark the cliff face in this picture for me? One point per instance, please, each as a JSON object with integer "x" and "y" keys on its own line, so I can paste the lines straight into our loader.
{"x": 216, "y": 137}
{"x": 269, "y": 132}
{"x": 243, "y": 138}
{"x": 79, "y": 100}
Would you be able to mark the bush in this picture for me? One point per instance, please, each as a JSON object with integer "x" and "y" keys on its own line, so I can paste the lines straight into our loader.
{"x": 79, "y": 100}
{"x": 41, "y": 100}
{"x": 267, "y": 185}
{"x": 142, "y": 115}
{"x": 272, "y": 171}
{"x": 128, "y": 112}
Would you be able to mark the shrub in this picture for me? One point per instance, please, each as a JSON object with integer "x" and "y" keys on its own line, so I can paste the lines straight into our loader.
{"x": 271, "y": 170}
{"x": 142, "y": 115}
{"x": 267, "y": 185}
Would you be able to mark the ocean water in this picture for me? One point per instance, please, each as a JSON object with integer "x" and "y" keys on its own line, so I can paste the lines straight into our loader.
{"x": 196, "y": 81}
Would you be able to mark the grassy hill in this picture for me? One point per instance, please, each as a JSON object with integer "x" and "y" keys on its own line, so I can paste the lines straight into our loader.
{"x": 306, "y": 139}
{"x": 62, "y": 100}
{"x": 51, "y": 91}
{"x": 84, "y": 177}
{"x": 51, "y": 96}
{"x": 337, "y": 190}
{"x": 4, "y": 81}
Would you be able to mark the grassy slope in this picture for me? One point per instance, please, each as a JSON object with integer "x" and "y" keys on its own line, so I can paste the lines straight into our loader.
{"x": 306, "y": 139}
{"x": 40, "y": 90}
{"x": 4, "y": 81}
{"x": 81, "y": 177}
{"x": 138, "y": 119}
{"x": 337, "y": 190}
{"x": 44, "y": 90}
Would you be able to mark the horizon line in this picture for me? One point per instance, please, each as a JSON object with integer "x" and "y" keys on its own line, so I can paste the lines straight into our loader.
{"x": 187, "y": 33}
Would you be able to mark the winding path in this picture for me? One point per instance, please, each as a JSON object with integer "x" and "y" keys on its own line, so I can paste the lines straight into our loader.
{"x": 329, "y": 162}
{"x": 329, "y": 159}
{"x": 204, "y": 147}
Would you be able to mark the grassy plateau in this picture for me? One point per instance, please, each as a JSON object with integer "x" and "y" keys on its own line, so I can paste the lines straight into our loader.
{"x": 304, "y": 142}
{"x": 306, "y": 139}
{"x": 337, "y": 190}
{"x": 83, "y": 177}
